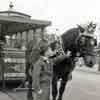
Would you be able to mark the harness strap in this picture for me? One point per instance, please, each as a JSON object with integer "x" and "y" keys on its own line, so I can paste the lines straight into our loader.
{"x": 61, "y": 44}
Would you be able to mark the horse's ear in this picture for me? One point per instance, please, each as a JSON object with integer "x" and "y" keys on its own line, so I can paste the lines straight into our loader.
{"x": 81, "y": 29}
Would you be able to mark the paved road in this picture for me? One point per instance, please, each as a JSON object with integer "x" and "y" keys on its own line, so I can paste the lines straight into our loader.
{"x": 84, "y": 86}
{"x": 3, "y": 96}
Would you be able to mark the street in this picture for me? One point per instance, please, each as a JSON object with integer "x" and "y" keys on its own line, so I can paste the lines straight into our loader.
{"x": 84, "y": 86}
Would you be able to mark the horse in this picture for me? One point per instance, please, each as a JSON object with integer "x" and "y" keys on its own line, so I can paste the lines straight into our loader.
{"x": 79, "y": 43}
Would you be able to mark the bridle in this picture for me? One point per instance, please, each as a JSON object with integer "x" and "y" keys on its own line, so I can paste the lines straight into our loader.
{"x": 60, "y": 50}
{"x": 85, "y": 44}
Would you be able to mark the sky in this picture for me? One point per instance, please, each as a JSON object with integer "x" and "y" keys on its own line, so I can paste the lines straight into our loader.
{"x": 64, "y": 14}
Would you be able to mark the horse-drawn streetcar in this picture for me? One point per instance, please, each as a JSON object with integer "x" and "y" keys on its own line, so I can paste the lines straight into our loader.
{"x": 17, "y": 29}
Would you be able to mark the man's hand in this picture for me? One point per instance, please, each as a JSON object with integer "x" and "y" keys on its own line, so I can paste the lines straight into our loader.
{"x": 40, "y": 91}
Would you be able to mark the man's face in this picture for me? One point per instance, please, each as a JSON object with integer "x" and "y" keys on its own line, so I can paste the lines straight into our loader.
{"x": 49, "y": 52}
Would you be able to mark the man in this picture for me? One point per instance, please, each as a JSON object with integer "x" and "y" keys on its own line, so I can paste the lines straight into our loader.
{"x": 41, "y": 75}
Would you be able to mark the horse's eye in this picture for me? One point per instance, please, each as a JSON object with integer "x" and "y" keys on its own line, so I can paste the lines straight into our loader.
{"x": 82, "y": 40}
{"x": 94, "y": 26}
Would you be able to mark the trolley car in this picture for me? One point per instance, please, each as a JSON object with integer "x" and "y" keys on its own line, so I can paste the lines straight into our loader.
{"x": 20, "y": 29}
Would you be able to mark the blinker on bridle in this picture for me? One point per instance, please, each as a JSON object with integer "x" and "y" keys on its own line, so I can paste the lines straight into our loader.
{"x": 84, "y": 38}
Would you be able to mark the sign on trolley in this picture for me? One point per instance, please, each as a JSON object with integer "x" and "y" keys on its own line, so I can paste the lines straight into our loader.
{"x": 14, "y": 60}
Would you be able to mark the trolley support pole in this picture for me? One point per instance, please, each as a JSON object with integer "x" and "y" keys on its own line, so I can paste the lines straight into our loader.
{"x": 2, "y": 63}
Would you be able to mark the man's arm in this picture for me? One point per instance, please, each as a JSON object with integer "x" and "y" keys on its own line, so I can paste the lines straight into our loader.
{"x": 59, "y": 58}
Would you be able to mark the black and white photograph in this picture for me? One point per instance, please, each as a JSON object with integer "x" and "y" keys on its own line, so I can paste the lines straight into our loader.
{"x": 49, "y": 50}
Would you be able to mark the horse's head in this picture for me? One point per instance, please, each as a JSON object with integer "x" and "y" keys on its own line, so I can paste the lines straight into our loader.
{"x": 86, "y": 43}
{"x": 88, "y": 27}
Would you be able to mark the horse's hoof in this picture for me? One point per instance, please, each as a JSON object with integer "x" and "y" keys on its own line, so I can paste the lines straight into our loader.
{"x": 59, "y": 99}
{"x": 54, "y": 99}
{"x": 70, "y": 77}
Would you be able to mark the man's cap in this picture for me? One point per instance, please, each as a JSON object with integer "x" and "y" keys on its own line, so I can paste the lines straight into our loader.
{"x": 43, "y": 45}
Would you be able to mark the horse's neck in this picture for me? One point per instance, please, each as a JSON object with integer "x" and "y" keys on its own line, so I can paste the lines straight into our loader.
{"x": 70, "y": 45}
{"x": 70, "y": 41}
{"x": 73, "y": 54}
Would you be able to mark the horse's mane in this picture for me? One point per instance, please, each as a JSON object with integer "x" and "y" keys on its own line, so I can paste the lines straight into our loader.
{"x": 69, "y": 38}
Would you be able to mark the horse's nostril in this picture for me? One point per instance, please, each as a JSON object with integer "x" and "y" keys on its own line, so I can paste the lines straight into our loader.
{"x": 91, "y": 64}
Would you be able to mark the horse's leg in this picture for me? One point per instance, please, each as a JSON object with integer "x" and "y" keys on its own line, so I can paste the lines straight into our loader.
{"x": 62, "y": 87}
{"x": 54, "y": 87}
{"x": 70, "y": 77}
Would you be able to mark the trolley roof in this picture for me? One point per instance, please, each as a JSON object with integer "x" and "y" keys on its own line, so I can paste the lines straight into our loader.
{"x": 14, "y": 21}
{"x": 17, "y": 24}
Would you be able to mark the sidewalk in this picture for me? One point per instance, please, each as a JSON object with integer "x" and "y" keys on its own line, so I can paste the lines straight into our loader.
{"x": 88, "y": 70}
{"x": 4, "y": 96}
{"x": 12, "y": 95}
